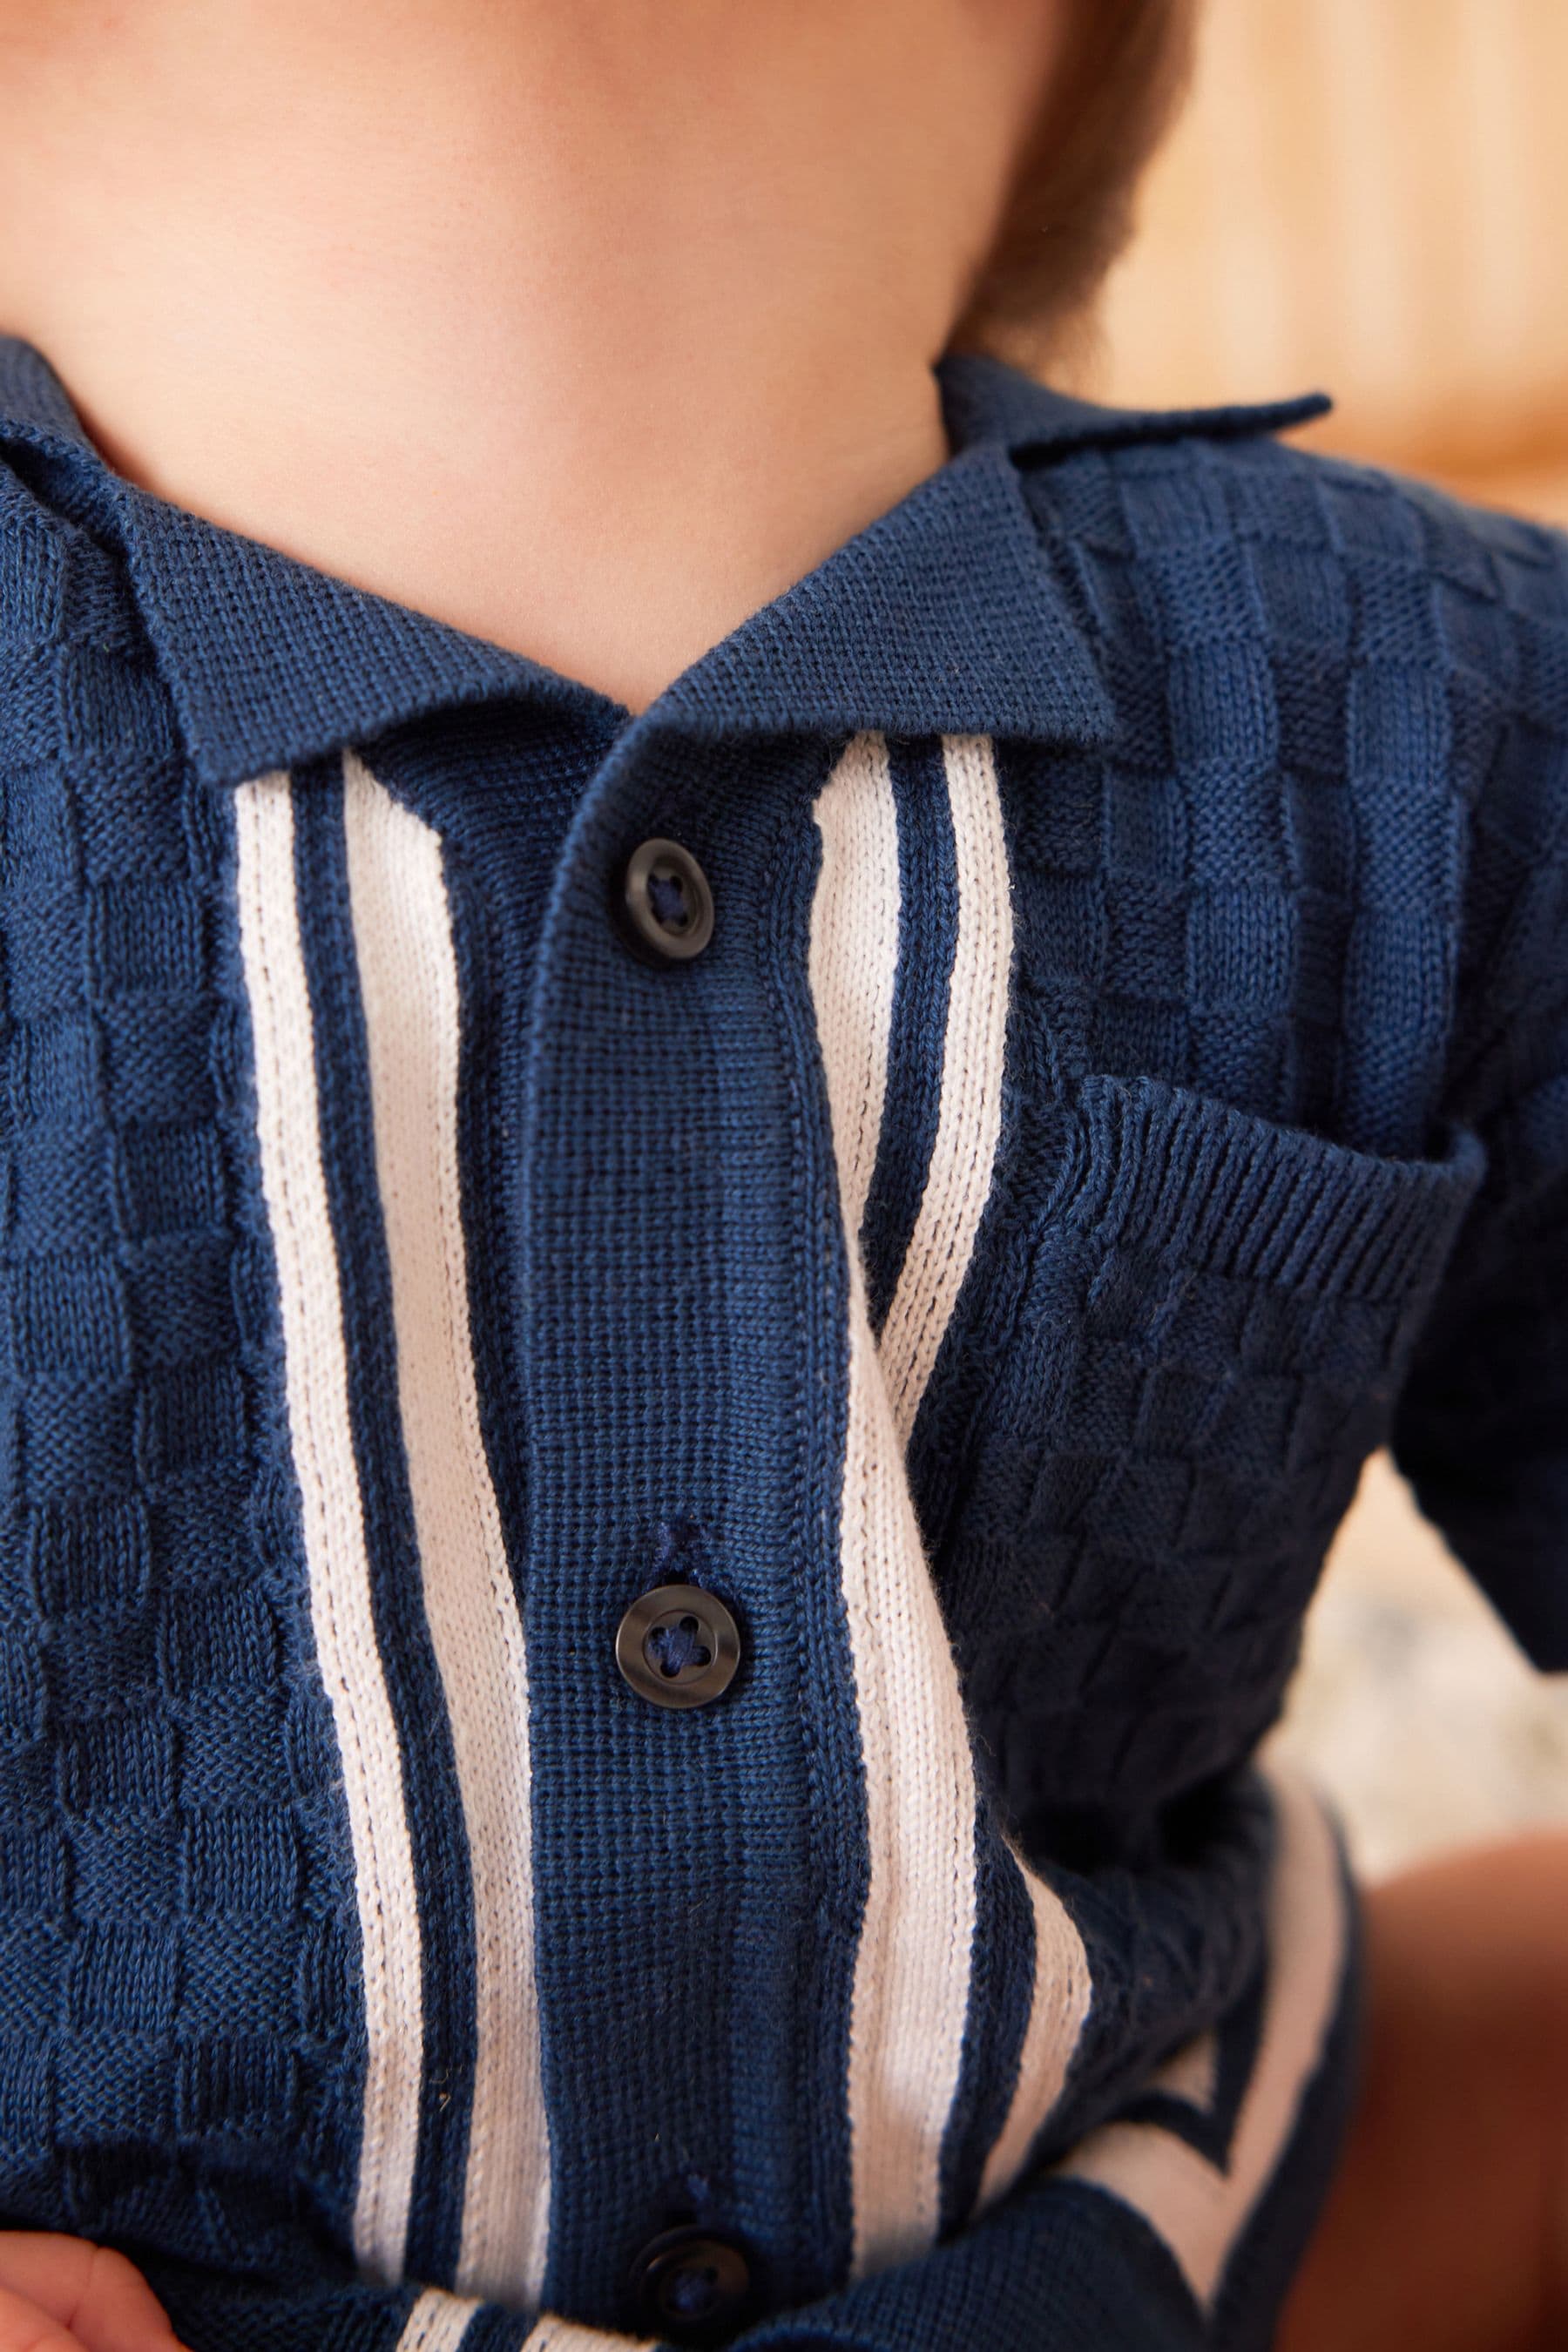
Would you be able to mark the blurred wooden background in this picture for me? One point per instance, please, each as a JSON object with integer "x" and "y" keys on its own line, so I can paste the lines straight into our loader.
{"x": 1372, "y": 196}
{"x": 1369, "y": 195}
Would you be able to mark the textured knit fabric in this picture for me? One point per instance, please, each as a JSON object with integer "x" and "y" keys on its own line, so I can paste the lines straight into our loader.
{"x": 1127, "y": 1083}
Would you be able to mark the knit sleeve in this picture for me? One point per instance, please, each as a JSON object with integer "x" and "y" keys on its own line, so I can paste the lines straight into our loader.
{"x": 1480, "y": 1428}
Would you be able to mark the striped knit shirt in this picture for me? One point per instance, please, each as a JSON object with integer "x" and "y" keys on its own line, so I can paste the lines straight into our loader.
{"x": 1126, "y": 1082}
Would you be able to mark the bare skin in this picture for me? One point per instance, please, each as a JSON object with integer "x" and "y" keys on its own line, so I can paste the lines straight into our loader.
{"x": 1447, "y": 2227}
{"x": 587, "y": 331}
{"x": 61, "y": 2294}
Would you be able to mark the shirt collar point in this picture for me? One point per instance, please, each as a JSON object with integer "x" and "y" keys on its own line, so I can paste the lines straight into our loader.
{"x": 35, "y": 406}
{"x": 986, "y": 400}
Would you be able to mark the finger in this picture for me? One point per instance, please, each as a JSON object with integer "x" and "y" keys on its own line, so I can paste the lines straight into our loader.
{"x": 118, "y": 2311}
{"x": 96, "y": 2294}
{"x": 25, "y": 2329}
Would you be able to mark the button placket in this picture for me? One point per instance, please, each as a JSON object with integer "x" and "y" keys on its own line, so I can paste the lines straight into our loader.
{"x": 646, "y": 1205}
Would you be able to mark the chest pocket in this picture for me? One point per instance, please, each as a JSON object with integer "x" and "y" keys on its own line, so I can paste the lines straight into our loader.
{"x": 1207, "y": 1337}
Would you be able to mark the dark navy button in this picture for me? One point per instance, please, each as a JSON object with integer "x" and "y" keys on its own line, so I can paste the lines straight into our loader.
{"x": 668, "y": 905}
{"x": 691, "y": 2286}
{"x": 678, "y": 1646}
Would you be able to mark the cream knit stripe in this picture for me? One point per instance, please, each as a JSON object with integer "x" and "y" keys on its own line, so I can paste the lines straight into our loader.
{"x": 969, "y": 1119}
{"x": 1059, "y": 2007}
{"x": 553, "y": 2335}
{"x": 437, "y": 2323}
{"x": 912, "y": 1965}
{"x": 958, "y": 1186}
{"x": 408, "y": 985}
{"x": 854, "y": 960}
{"x": 1198, "y": 2209}
{"x": 320, "y": 1431}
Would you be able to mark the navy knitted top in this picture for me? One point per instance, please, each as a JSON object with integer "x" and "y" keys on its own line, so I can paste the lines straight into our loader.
{"x": 652, "y": 1504}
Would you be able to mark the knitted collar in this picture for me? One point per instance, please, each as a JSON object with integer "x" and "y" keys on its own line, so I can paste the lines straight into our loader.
{"x": 945, "y": 616}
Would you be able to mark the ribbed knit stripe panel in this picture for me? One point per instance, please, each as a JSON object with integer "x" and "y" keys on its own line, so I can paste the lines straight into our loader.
{"x": 437, "y": 1839}
{"x": 912, "y": 1979}
{"x": 962, "y": 1160}
{"x": 1059, "y": 1994}
{"x": 372, "y": 1145}
{"x": 410, "y": 983}
{"x": 343, "y": 1614}
{"x": 437, "y": 2323}
{"x": 450, "y": 2322}
{"x": 913, "y": 1986}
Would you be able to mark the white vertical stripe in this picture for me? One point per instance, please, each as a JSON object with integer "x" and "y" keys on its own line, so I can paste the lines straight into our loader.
{"x": 408, "y": 985}
{"x": 1059, "y": 2005}
{"x": 1196, "y": 2207}
{"x": 969, "y": 1121}
{"x": 437, "y": 2323}
{"x": 855, "y": 960}
{"x": 958, "y": 1185}
{"x": 912, "y": 1965}
{"x": 316, "y": 1382}
{"x": 553, "y": 2335}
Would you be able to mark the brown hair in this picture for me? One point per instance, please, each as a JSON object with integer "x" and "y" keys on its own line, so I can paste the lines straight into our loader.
{"x": 1122, "y": 67}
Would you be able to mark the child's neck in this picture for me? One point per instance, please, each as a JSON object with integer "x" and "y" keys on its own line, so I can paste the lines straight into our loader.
{"x": 585, "y": 327}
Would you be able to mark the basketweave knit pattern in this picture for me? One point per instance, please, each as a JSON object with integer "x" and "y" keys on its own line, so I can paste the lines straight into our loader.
{"x": 176, "y": 1986}
{"x": 1312, "y": 884}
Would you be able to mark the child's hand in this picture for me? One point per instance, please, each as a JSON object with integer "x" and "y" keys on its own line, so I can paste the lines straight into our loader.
{"x": 62, "y": 2295}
